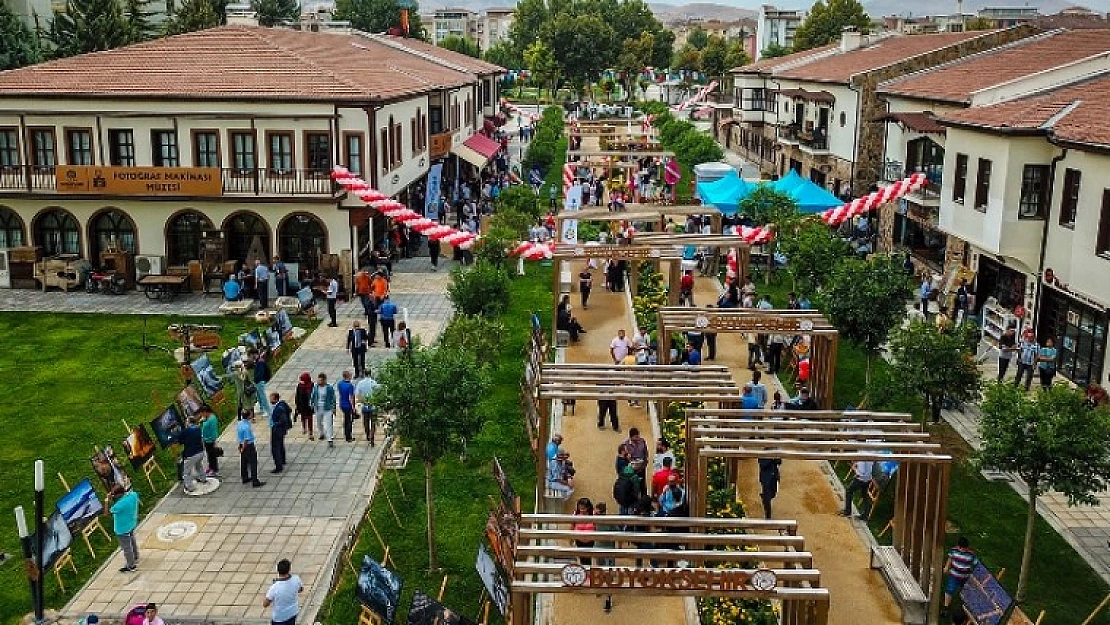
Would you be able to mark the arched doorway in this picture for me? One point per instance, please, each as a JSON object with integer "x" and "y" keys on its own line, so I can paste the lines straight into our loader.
{"x": 11, "y": 228}
{"x": 248, "y": 237}
{"x": 301, "y": 239}
{"x": 183, "y": 234}
{"x": 112, "y": 227}
{"x": 57, "y": 232}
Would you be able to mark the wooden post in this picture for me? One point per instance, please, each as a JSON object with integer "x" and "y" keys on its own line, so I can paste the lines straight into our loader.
{"x": 943, "y": 474}
{"x": 556, "y": 264}
{"x": 674, "y": 280}
{"x": 520, "y": 610}
{"x": 545, "y": 435}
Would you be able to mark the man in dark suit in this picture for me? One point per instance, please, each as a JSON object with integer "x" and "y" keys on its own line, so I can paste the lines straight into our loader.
{"x": 357, "y": 340}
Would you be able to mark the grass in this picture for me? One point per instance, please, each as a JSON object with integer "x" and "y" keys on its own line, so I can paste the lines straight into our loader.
{"x": 70, "y": 381}
{"x": 463, "y": 488}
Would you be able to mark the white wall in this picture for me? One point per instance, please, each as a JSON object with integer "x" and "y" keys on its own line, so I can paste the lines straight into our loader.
{"x": 1070, "y": 252}
{"x": 413, "y": 165}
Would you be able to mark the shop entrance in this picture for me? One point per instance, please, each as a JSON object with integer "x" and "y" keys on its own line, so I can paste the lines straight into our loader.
{"x": 1080, "y": 334}
{"x": 1003, "y": 283}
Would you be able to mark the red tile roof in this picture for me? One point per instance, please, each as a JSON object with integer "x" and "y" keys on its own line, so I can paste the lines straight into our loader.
{"x": 841, "y": 67}
{"x": 919, "y": 122}
{"x": 959, "y": 80}
{"x": 242, "y": 62}
{"x": 1079, "y": 112}
{"x": 766, "y": 66}
{"x": 469, "y": 63}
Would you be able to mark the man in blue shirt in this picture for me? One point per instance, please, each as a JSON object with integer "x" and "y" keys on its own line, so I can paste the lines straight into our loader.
{"x": 247, "y": 452}
{"x": 364, "y": 391}
{"x": 387, "y": 313}
{"x": 693, "y": 356}
{"x": 553, "y": 446}
{"x": 125, "y": 518}
{"x": 748, "y": 401}
{"x": 281, "y": 276}
{"x": 192, "y": 455}
{"x": 346, "y": 390}
{"x": 262, "y": 284}
{"x": 233, "y": 292}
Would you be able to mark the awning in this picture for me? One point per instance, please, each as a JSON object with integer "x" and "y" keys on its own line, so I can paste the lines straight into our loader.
{"x": 469, "y": 155}
{"x": 823, "y": 97}
{"x": 483, "y": 145}
{"x": 923, "y": 122}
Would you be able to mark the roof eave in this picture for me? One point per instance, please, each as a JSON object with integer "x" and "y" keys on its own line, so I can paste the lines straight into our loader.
{"x": 926, "y": 98}
{"x": 995, "y": 130}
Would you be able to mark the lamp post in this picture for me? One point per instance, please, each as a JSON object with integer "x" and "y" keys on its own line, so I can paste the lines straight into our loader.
{"x": 25, "y": 540}
{"x": 40, "y": 537}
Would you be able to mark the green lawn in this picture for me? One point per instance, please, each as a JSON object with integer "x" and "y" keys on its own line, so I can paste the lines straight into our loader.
{"x": 69, "y": 382}
{"x": 463, "y": 487}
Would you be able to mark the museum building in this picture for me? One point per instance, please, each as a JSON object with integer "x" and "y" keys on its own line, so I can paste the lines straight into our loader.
{"x": 224, "y": 139}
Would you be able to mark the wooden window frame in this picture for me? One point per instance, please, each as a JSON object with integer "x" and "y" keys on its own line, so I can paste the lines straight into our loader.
{"x": 270, "y": 169}
{"x": 959, "y": 180}
{"x": 309, "y": 169}
{"x": 32, "y": 152}
{"x": 1044, "y": 171}
{"x": 156, "y": 146}
{"x": 1069, "y": 197}
{"x": 18, "y": 153}
{"x": 383, "y": 148}
{"x": 984, "y": 167}
{"x": 242, "y": 172}
{"x": 113, "y": 152}
{"x": 413, "y": 148}
{"x": 347, "y": 135}
{"x": 194, "y": 134}
{"x": 398, "y": 144}
{"x": 1102, "y": 239}
{"x": 68, "y": 132}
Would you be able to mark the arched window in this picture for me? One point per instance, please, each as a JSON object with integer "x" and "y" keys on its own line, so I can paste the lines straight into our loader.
{"x": 183, "y": 234}
{"x": 111, "y": 227}
{"x": 57, "y": 232}
{"x": 11, "y": 228}
{"x": 301, "y": 239}
{"x": 248, "y": 237}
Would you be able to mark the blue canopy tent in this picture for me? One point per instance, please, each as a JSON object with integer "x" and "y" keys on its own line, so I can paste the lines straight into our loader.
{"x": 788, "y": 183}
{"x": 725, "y": 193}
{"x": 813, "y": 198}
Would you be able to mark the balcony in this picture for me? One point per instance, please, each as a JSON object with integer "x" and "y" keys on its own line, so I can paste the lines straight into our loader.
{"x": 790, "y": 135}
{"x": 929, "y": 194}
{"x": 815, "y": 142}
{"x": 234, "y": 182}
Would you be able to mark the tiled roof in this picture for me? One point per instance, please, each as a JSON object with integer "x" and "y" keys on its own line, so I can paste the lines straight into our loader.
{"x": 243, "y": 62}
{"x": 764, "y": 66}
{"x": 471, "y": 64}
{"x": 959, "y": 80}
{"x": 1079, "y": 112}
{"x": 918, "y": 122}
{"x": 840, "y": 67}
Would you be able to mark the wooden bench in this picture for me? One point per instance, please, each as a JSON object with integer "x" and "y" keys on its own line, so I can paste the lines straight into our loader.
{"x": 907, "y": 592}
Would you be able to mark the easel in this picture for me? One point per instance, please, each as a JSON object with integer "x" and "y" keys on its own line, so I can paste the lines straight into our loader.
{"x": 91, "y": 527}
{"x": 66, "y": 559}
{"x": 382, "y": 468}
{"x": 367, "y": 617}
{"x": 150, "y": 466}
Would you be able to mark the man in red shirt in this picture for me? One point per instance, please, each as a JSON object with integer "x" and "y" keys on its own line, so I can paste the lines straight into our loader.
{"x": 686, "y": 288}
{"x": 659, "y": 480}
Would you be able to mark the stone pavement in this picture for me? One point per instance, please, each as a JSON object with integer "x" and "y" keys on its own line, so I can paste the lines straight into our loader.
{"x": 212, "y": 558}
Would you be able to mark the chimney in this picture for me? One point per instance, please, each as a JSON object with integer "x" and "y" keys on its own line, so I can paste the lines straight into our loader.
{"x": 850, "y": 39}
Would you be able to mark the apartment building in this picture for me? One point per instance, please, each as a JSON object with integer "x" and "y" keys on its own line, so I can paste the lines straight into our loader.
{"x": 494, "y": 26}
{"x": 457, "y": 22}
{"x": 1007, "y": 16}
{"x": 234, "y": 130}
{"x": 776, "y": 27}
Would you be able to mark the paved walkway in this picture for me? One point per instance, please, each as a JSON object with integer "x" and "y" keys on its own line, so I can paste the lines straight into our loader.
{"x": 228, "y": 543}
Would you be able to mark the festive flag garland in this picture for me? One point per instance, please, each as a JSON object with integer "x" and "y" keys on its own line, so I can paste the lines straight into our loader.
{"x": 896, "y": 190}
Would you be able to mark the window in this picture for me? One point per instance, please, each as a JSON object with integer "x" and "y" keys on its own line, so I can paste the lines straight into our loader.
{"x": 352, "y": 152}
{"x": 42, "y": 148}
{"x": 79, "y": 146}
{"x": 302, "y": 239}
{"x": 183, "y": 237}
{"x": 163, "y": 144}
{"x": 121, "y": 148}
{"x": 383, "y": 147}
{"x": 11, "y": 228}
{"x": 1102, "y": 244}
{"x": 1034, "y": 192}
{"x": 412, "y": 136}
{"x": 243, "y": 158}
{"x": 983, "y": 184}
{"x": 110, "y": 227}
{"x": 206, "y": 148}
{"x": 397, "y": 143}
{"x": 281, "y": 152}
{"x": 436, "y": 118}
{"x": 57, "y": 232}
{"x": 317, "y": 152}
{"x": 9, "y": 148}
{"x": 959, "y": 183}
{"x": 1069, "y": 198}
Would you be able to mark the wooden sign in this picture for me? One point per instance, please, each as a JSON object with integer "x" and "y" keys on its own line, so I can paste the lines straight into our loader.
{"x": 142, "y": 181}
{"x": 687, "y": 579}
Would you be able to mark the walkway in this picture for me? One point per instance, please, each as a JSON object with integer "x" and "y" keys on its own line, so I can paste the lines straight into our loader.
{"x": 223, "y": 547}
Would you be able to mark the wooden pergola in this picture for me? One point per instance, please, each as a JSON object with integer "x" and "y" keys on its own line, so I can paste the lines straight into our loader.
{"x": 620, "y": 153}
{"x": 823, "y": 343}
{"x": 921, "y": 479}
{"x": 547, "y": 560}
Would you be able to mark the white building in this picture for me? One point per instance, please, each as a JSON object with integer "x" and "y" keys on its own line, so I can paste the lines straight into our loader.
{"x": 776, "y": 27}
{"x": 123, "y": 147}
{"x": 456, "y": 22}
{"x": 494, "y": 26}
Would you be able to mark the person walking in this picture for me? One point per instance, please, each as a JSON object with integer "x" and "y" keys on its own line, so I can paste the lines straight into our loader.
{"x": 1028, "y": 351}
{"x": 282, "y": 596}
{"x": 346, "y": 391}
{"x": 1007, "y": 347}
{"x": 923, "y": 293}
{"x": 364, "y": 391}
{"x": 608, "y": 406}
{"x": 303, "y": 400}
{"x": 619, "y": 347}
{"x": 961, "y": 561}
{"x": 332, "y": 296}
{"x": 192, "y": 455}
{"x": 759, "y": 390}
{"x": 281, "y": 421}
{"x": 323, "y": 405}
{"x": 433, "y": 253}
{"x": 387, "y": 313}
{"x": 585, "y": 285}
{"x": 362, "y": 287}
{"x": 262, "y": 284}
{"x": 262, "y": 375}
{"x": 1046, "y": 362}
{"x": 768, "y": 482}
{"x": 357, "y": 340}
{"x": 863, "y": 471}
{"x": 248, "y": 454}
{"x": 209, "y": 434}
{"x": 124, "y": 506}
{"x": 281, "y": 277}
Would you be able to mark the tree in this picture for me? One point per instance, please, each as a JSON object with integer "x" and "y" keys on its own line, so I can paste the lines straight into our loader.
{"x": 635, "y": 55}
{"x": 481, "y": 336}
{"x": 88, "y": 26}
{"x": 505, "y": 55}
{"x": 812, "y": 251}
{"x": 713, "y": 55}
{"x": 432, "y": 395}
{"x": 826, "y": 21}
{"x": 462, "y": 45}
{"x": 1050, "y": 440}
{"x": 480, "y": 289}
{"x": 379, "y": 16}
{"x": 736, "y": 56}
{"x": 18, "y": 45}
{"x": 865, "y": 299}
{"x": 698, "y": 38}
{"x": 541, "y": 63}
{"x": 936, "y": 366}
{"x": 694, "y": 148}
{"x": 767, "y": 206}
{"x": 978, "y": 23}
{"x": 608, "y": 86}
{"x": 191, "y": 16}
{"x": 687, "y": 59}
{"x": 528, "y": 20}
{"x": 583, "y": 46}
{"x": 774, "y": 51}
{"x": 273, "y": 12}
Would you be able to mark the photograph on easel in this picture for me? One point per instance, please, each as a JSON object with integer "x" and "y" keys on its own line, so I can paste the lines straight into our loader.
{"x": 273, "y": 339}
{"x": 284, "y": 323}
{"x": 232, "y": 359}
{"x": 139, "y": 447}
{"x": 493, "y": 579}
{"x": 167, "y": 426}
{"x": 80, "y": 505}
{"x": 379, "y": 589}
{"x": 428, "y": 611}
{"x": 508, "y": 495}
{"x": 108, "y": 469}
{"x": 56, "y": 539}
{"x": 190, "y": 400}
{"x": 206, "y": 375}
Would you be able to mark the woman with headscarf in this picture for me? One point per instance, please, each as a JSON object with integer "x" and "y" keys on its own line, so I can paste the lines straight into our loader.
{"x": 304, "y": 404}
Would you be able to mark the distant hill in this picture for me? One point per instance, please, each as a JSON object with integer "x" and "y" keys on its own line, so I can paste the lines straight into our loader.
{"x": 701, "y": 10}
{"x": 880, "y": 8}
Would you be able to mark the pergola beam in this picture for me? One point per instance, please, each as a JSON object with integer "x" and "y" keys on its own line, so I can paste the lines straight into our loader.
{"x": 820, "y": 446}
{"x": 787, "y": 454}
{"x": 782, "y": 593}
{"x": 802, "y": 415}
{"x": 703, "y": 433}
{"x": 716, "y": 540}
{"x": 746, "y": 524}
{"x": 802, "y": 558}
{"x": 619, "y": 153}
{"x": 790, "y": 424}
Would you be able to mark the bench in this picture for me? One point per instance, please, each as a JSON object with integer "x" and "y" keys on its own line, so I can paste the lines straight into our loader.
{"x": 554, "y": 498}
{"x": 907, "y": 592}
{"x": 985, "y": 600}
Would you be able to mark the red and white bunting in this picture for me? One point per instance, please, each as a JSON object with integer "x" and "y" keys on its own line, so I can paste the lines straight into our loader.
{"x": 697, "y": 97}
{"x": 568, "y": 177}
{"x": 755, "y": 236}
{"x": 894, "y": 191}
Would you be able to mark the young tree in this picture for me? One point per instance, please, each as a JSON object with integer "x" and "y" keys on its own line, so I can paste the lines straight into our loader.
{"x": 274, "y": 12}
{"x": 812, "y": 251}
{"x": 481, "y": 336}
{"x": 635, "y": 55}
{"x": 88, "y": 26}
{"x": 774, "y": 51}
{"x": 736, "y": 56}
{"x": 432, "y": 395}
{"x": 18, "y": 45}
{"x": 698, "y": 38}
{"x": 541, "y": 63}
{"x": 767, "y": 206}
{"x": 137, "y": 16}
{"x": 865, "y": 299}
{"x": 713, "y": 55}
{"x": 505, "y": 55}
{"x": 480, "y": 289}
{"x": 1050, "y": 440}
{"x": 191, "y": 16}
{"x": 827, "y": 19}
{"x": 688, "y": 59}
{"x": 934, "y": 365}
{"x": 695, "y": 148}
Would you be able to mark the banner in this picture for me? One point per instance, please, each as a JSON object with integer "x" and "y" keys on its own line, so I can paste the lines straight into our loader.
{"x": 432, "y": 192}
{"x": 572, "y": 202}
{"x": 144, "y": 181}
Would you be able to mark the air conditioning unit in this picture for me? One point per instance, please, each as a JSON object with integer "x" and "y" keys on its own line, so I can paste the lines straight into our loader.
{"x": 149, "y": 266}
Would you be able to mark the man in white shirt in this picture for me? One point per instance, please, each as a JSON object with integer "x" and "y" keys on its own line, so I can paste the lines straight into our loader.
{"x": 282, "y": 596}
{"x": 863, "y": 470}
{"x": 662, "y": 450}
{"x": 620, "y": 347}
{"x": 333, "y": 294}
{"x": 262, "y": 284}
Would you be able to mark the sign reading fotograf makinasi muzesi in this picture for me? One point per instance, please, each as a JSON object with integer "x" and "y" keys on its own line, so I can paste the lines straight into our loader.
{"x": 706, "y": 580}
{"x": 146, "y": 181}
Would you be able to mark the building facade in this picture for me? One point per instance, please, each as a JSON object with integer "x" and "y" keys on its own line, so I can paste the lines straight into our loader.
{"x": 453, "y": 23}
{"x": 494, "y": 26}
{"x": 776, "y": 27}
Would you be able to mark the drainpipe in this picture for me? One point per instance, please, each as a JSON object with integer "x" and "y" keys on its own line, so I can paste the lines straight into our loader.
{"x": 1044, "y": 229}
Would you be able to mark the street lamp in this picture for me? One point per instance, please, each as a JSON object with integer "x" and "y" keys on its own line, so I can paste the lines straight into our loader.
{"x": 25, "y": 541}
{"x": 40, "y": 537}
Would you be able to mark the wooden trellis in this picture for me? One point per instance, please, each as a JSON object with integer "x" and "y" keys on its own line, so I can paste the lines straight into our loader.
{"x": 655, "y": 254}
{"x": 822, "y": 348}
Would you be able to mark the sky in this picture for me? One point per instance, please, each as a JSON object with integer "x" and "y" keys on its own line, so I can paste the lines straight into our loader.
{"x": 917, "y": 7}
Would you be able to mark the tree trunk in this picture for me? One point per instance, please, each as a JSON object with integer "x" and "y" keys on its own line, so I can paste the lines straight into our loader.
{"x": 429, "y": 502}
{"x": 867, "y": 373}
{"x": 1027, "y": 552}
{"x": 935, "y": 404}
